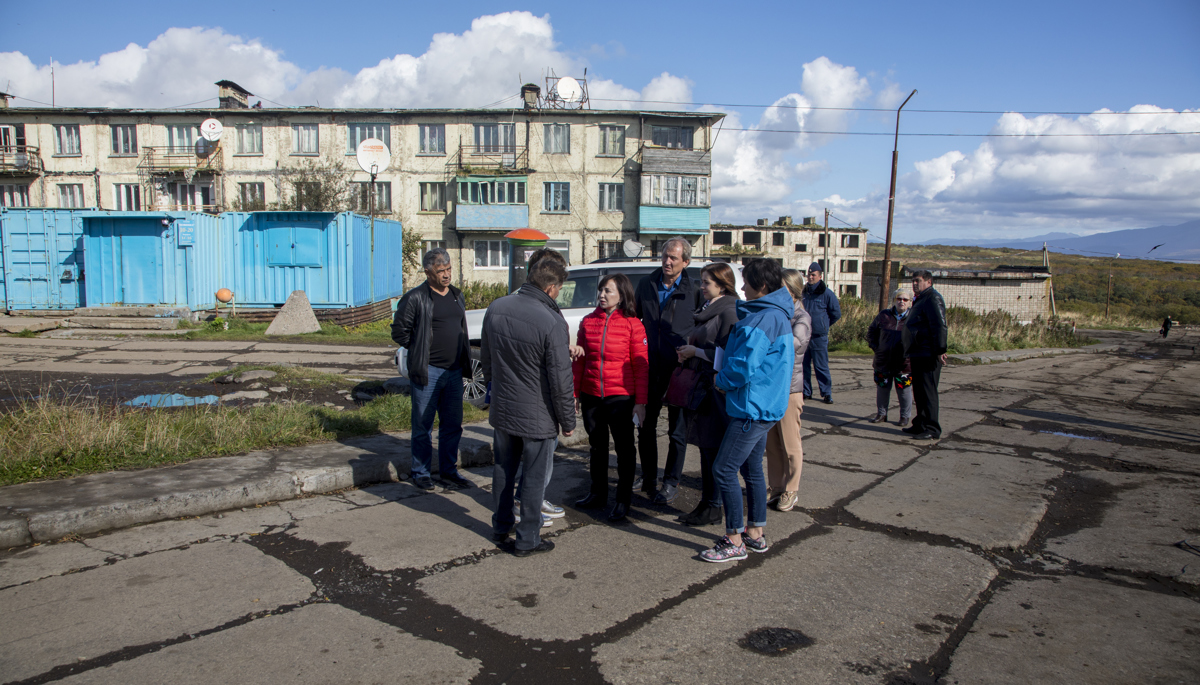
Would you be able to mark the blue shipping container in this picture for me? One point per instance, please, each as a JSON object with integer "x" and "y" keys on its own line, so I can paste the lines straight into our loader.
{"x": 41, "y": 251}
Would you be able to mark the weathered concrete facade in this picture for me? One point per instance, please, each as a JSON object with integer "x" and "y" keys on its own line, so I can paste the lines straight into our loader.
{"x": 796, "y": 246}
{"x": 1021, "y": 291}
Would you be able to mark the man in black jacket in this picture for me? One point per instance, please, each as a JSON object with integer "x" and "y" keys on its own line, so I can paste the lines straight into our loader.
{"x": 525, "y": 352}
{"x": 925, "y": 337}
{"x": 431, "y": 323}
{"x": 666, "y": 304}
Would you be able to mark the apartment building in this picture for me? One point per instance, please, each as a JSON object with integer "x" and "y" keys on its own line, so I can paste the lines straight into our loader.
{"x": 460, "y": 178}
{"x": 796, "y": 246}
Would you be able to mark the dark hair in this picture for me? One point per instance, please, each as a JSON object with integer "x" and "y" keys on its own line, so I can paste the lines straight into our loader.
{"x": 547, "y": 272}
{"x": 924, "y": 275}
{"x": 721, "y": 274}
{"x": 624, "y": 289}
{"x": 764, "y": 275}
{"x": 541, "y": 254}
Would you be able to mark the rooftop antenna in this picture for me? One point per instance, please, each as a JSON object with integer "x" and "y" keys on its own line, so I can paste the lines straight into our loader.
{"x": 566, "y": 92}
{"x": 52, "y": 82}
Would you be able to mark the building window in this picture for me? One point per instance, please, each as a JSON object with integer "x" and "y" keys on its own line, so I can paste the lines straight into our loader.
{"x": 306, "y": 139}
{"x": 191, "y": 196}
{"x": 357, "y": 133}
{"x": 432, "y": 139}
{"x": 821, "y": 240}
{"x": 182, "y": 137}
{"x": 850, "y": 266}
{"x": 428, "y": 245}
{"x": 70, "y": 195}
{"x": 849, "y": 241}
{"x": 252, "y": 197}
{"x": 498, "y": 192}
{"x": 722, "y": 238}
{"x": 752, "y": 238}
{"x": 556, "y": 139}
{"x": 801, "y": 247}
{"x": 14, "y": 195}
{"x": 821, "y": 263}
{"x": 563, "y": 247}
{"x": 612, "y": 140}
{"x": 249, "y": 139}
{"x": 127, "y": 197}
{"x": 496, "y": 138}
{"x": 849, "y": 291}
{"x": 124, "y": 139}
{"x": 383, "y": 197}
{"x": 66, "y": 139}
{"x": 433, "y": 197}
{"x": 686, "y": 191}
{"x": 491, "y": 254}
{"x": 556, "y": 197}
{"x": 612, "y": 197}
{"x": 777, "y": 239}
{"x": 607, "y": 249}
{"x": 672, "y": 136}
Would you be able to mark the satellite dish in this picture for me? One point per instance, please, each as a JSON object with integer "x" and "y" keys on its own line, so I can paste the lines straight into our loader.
{"x": 211, "y": 130}
{"x": 633, "y": 248}
{"x": 373, "y": 156}
{"x": 568, "y": 89}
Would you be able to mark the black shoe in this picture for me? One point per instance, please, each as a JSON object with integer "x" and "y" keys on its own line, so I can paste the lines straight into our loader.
{"x": 592, "y": 501}
{"x": 713, "y": 515}
{"x": 543, "y": 546}
{"x": 423, "y": 482}
{"x": 828, "y": 399}
{"x": 878, "y": 418}
{"x": 499, "y": 538}
{"x": 693, "y": 517}
{"x": 807, "y": 398}
{"x": 926, "y": 435}
{"x": 618, "y": 513}
{"x": 456, "y": 482}
{"x": 913, "y": 430}
{"x": 667, "y": 494}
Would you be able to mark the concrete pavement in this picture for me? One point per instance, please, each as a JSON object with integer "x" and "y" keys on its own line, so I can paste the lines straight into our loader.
{"x": 1035, "y": 542}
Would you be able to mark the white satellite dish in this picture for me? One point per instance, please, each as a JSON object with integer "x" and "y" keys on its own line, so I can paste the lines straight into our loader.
{"x": 211, "y": 130}
{"x": 568, "y": 89}
{"x": 373, "y": 156}
{"x": 633, "y": 248}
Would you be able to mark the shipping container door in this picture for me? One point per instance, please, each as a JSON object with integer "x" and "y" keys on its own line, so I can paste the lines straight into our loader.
{"x": 141, "y": 262}
{"x": 27, "y": 255}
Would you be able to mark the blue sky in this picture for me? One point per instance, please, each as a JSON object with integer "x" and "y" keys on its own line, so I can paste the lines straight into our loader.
{"x": 1015, "y": 57}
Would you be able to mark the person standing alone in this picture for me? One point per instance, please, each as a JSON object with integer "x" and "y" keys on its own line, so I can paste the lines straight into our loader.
{"x": 431, "y": 323}
{"x": 822, "y": 305}
{"x": 925, "y": 337}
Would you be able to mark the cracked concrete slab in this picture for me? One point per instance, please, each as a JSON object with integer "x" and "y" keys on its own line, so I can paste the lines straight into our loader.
{"x": 42, "y": 561}
{"x": 1079, "y": 630}
{"x": 990, "y": 500}
{"x": 821, "y": 487}
{"x": 1140, "y": 529}
{"x": 155, "y": 537}
{"x": 1090, "y": 417}
{"x": 116, "y": 368}
{"x": 858, "y": 453}
{"x": 152, "y": 356}
{"x": 308, "y": 507}
{"x": 140, "y": 601}
{"x": 870, "y": 603}
{"x": 596, "y": 577}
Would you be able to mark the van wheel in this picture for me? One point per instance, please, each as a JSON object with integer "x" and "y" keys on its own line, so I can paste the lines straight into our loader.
{"x": 474, "y": 388}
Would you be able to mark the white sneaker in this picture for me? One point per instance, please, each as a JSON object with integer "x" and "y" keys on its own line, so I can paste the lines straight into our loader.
{"x": 546, "y": 520}
{"x": 551, "y": 510}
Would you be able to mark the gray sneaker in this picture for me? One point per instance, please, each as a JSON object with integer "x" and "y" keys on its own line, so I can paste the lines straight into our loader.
{"x": 760, "y": 545}
{"x": 551, "y": 510}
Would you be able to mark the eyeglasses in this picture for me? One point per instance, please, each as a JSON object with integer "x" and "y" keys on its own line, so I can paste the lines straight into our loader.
{"x": 904, "y": 299}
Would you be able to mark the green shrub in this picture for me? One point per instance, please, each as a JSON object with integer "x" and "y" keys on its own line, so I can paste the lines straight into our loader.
{"x": 480, "y": 295}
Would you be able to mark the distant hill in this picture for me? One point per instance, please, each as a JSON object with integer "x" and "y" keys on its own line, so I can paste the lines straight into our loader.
{"x": 1180, "y": 242}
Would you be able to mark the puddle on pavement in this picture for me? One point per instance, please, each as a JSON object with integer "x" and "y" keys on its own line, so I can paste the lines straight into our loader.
{"x": 1072, "y": 435}
{"x": 775, "y": 641}
{"x": 170, "y": 400}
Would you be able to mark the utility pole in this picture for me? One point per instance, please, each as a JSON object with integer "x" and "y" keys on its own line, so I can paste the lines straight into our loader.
{"x": 1109, "y": 298}
{"x": 826, "y": 241}
{"x": 1046, "y": 263}
{"x": 885, "y": 284}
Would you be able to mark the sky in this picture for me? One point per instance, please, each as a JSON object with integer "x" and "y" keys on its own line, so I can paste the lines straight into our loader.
{"x": 1067, "y": 92}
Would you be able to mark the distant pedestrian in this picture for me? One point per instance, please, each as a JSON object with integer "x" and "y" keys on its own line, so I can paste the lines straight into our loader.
{"x": 756, "y": 374}
{"x": 666, "y": 301}
{"x": 525, "y": 354}
{"x": 925, "y": 337}
{"x": 611, "y": 380}
{"x": 785, "y": 453}
{"x": 1166, "y": 327}
{"x": 822, "y": 305}
{"x": 706, "y": 419}
{"x": 431, "y": 323}
{"x": 891, "y": 367}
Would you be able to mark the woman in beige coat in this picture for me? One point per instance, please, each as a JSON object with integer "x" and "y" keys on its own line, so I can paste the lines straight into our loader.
{"x": 785, "y": 455}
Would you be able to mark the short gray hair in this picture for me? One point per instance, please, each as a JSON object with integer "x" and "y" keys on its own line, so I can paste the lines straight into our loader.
{"x": 435, "y": 257}
{"x": 684, "y": 246}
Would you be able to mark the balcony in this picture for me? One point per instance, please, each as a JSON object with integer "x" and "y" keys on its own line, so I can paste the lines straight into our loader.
{"x": 673, "y": 220}
{"x": 20, "y": 160}
{"x": 498, "y": 159}
{"x": 490, "y": 218}
{"x": 186, "y": 159}
{"x": 666, "y": 160}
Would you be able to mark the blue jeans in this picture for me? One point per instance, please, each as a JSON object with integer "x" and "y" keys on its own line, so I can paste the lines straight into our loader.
{"x": 816, "y": 357}
{"x": 742, "y": 450}
{"x": 533, "y": 457}
{"x": 443, "y": 396}
{"x": 549, "y": 470}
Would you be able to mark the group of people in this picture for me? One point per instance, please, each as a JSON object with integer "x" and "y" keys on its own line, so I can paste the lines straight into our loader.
{"x": 732, "y": 370}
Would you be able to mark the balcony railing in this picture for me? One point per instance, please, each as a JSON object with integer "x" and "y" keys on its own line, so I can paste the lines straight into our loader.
{"x": 180, "y": 159}
{"x": 20, "y": 160}
{"x": 489, "y": 159}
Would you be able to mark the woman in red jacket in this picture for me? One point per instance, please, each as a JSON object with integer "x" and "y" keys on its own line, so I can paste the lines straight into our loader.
{"x": 611, "y": 380}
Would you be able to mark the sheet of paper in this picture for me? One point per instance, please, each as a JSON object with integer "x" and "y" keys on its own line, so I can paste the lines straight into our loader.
{"x": 718, "y": 359}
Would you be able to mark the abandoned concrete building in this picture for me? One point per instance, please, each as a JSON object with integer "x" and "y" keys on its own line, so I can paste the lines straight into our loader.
{"x": 1023, "y": 291}
{"x": 460, "y": 178}
{"x": 795, "y": 246}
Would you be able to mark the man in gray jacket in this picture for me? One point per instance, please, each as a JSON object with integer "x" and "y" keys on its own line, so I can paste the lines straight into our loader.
{"x": 525, "y": 352}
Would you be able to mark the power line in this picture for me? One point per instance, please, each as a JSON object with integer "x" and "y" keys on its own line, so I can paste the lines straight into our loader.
{"x": 972, "y": 135}
{"x": 189, "y": 104}
{"x": 881, "y": 109}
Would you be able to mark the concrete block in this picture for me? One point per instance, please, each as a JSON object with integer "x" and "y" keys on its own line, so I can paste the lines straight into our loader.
{"x": 124, "y": 322}
{"x": 11, "y": 324}
{"x": 295, "y": 317}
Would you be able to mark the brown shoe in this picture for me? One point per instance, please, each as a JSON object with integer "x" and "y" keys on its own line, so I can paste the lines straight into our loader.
{"x": 878, "y": 418}
{"x": 903, "y": 423}
{"x": 787, "y": 500}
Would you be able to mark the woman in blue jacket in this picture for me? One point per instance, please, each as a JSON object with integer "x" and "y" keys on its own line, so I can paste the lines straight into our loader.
{"x": 755, "y": 376}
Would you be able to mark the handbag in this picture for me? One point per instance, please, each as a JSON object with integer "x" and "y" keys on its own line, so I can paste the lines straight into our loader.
{"x": 681, "y": 389}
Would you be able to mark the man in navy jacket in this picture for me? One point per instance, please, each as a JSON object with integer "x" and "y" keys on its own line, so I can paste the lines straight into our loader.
{"x": 822, "y": 306}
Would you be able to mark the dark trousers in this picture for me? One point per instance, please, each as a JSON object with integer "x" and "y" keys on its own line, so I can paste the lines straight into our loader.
{"x": 926, "y": 373}
{"x": 708, "y": 489}
{"x": 816, "y": 360}
{"x": 677, "y": 430}
{"x": 602, "y": 415}
{"x": 534, "y": 457}
{"x": 442, "y": 395}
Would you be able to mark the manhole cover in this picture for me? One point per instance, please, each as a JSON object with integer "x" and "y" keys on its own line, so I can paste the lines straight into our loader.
{"x": 775, "y": 641}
